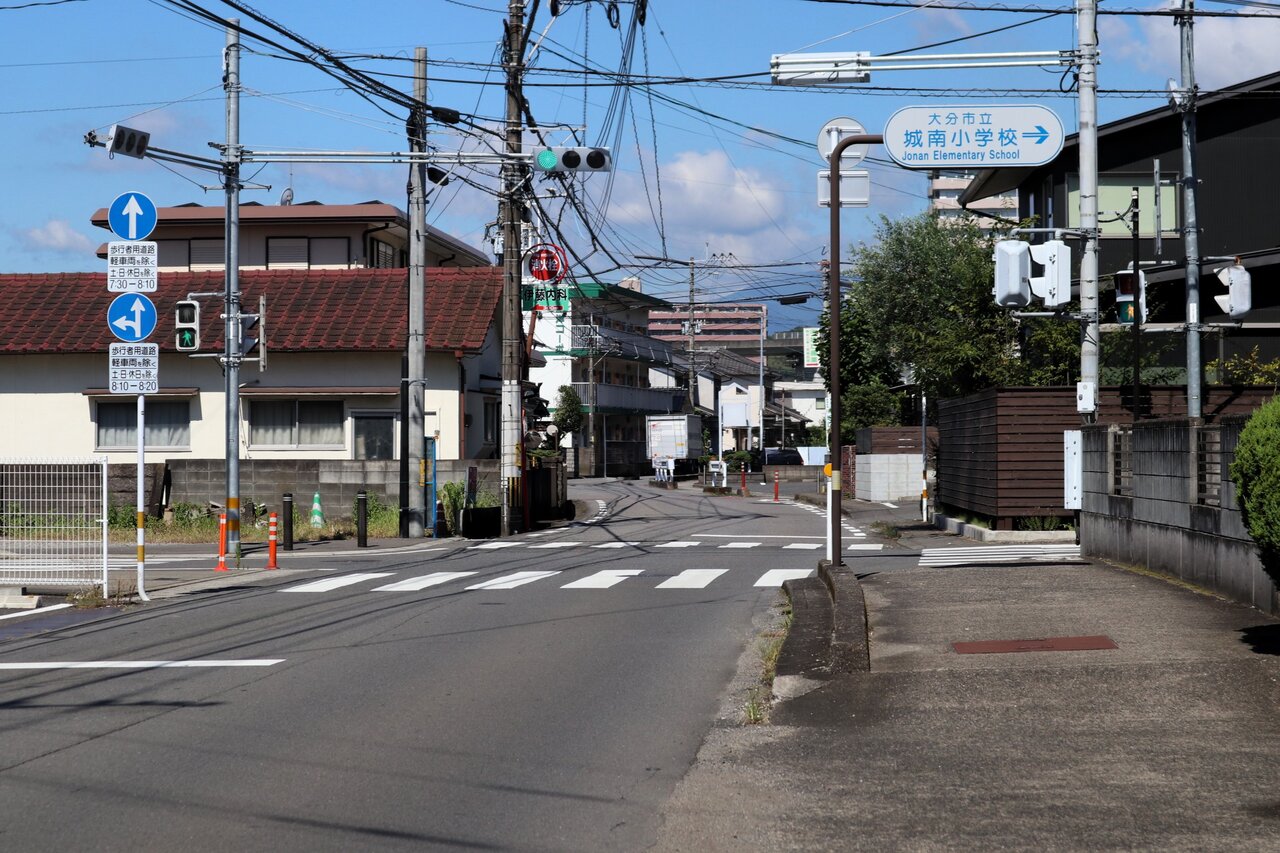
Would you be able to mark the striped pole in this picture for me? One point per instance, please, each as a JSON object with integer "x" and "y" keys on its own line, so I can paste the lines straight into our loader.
{"x": 775, "y": 485}
{"x": 222, "y": 543}
{"x": 272, "y": 521}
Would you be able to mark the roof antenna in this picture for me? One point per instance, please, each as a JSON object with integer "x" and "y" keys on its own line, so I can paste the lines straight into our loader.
{"x": 286, "y": 197}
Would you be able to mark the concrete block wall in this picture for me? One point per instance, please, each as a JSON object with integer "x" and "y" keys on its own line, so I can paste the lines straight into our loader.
{"x": 1160, "y": 526}
{"x": 264, "y": 481}
{"x": 887, "y": 477}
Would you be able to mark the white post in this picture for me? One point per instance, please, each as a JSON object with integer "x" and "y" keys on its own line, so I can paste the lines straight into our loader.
{"x": 141, "y": 507}
{"x": 1087, "y": 11}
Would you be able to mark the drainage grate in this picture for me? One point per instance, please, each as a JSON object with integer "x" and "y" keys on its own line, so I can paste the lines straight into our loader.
{"x": 1045, "y": 644}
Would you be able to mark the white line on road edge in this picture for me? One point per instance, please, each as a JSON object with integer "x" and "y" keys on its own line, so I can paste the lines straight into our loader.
{"x": 754, "y": 536}
{"x": 37, "y": 610}
{"x": 140, "y": 664}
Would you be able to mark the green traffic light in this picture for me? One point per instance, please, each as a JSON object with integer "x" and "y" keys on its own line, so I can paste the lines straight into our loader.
{"x": 547, "y": 159}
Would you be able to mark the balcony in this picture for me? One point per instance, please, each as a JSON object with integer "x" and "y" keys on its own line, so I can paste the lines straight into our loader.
{"x": 600, "y": 340}
{"x": 626, "y": 399}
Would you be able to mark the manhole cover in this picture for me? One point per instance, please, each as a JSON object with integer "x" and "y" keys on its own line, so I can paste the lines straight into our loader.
{"x": 1044, "y": 644}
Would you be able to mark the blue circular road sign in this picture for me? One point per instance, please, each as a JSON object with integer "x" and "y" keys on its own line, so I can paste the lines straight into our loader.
{"x": 131, "y": 317}
{"x": 132, "y": 216}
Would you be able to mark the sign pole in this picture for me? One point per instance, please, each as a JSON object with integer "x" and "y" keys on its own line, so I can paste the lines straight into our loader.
{"x": 833, "y": 331}
{"x": 141, "y": 503}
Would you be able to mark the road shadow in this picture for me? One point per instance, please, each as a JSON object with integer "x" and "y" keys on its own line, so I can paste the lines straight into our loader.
{"x": 1263, "y": 639}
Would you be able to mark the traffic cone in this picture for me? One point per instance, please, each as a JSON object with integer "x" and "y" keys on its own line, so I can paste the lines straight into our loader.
{"x": 317, "y": 514}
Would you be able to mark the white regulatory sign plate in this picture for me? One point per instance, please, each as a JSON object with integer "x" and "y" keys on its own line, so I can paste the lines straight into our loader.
{"x": 132, "y": 266}
{"x": 134, "y": 368}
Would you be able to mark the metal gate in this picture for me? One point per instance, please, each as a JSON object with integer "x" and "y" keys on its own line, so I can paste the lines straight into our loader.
{"x": 53, "y": 522}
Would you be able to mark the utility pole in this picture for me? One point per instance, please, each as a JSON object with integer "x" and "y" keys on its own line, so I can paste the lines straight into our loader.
{"x": 231, "y": 300}
{"x": 1137, "y": 303}
{"x": 692, "y": 333}
{"x": 1191, "y": 230}
{"x": 512, "y": 351}
{"x": 1087, "y": 21}
{"x": 416, "y": 342}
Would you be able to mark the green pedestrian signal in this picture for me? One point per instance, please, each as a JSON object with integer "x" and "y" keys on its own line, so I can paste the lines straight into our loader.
{"x": 187, "y": 325}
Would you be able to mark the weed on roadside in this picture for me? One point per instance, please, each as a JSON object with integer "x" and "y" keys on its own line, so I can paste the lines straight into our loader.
{"x": 118, "y": 594}
{"x": 755, "y": 710}
{"x": 885, "y": 530}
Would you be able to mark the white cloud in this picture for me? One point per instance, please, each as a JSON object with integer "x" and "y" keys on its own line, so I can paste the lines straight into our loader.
{"x": 1228, "y": 50}
{"x": 58, "y": 235}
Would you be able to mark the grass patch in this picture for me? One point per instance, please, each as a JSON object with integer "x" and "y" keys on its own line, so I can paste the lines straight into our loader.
{"x": 885, "y": 530}
{"x": 119, "y": 593}
{"x": 755, "y": 711}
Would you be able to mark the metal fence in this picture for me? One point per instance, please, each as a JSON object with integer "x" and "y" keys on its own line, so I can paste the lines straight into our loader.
{"x": 53, "y": 522}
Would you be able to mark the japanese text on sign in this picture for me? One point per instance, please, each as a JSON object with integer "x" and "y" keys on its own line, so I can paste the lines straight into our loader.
{"x": 133, "y": 368}
{"x": 930, "y": 137}
{"x": 132, "y": 267}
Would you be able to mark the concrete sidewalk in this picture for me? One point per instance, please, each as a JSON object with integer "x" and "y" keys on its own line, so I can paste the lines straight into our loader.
{"x": 1170, "y": 740}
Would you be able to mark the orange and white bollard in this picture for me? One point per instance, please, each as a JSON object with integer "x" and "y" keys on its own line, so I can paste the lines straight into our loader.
{"x": 775, "y": 485}
{"x": 222, "y": 543}
{"x": 272, "y": 521}
{"x": 744, "y": 480}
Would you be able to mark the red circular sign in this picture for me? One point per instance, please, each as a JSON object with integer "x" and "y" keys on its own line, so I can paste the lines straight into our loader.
{"x": 546, "y": 262}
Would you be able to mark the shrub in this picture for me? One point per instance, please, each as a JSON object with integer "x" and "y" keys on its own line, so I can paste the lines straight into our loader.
{"x": 452, "y": 496}
{"x": 1256, "y": 474}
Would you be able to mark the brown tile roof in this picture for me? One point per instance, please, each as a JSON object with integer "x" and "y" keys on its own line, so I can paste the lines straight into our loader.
{"x": 307, "y": 310}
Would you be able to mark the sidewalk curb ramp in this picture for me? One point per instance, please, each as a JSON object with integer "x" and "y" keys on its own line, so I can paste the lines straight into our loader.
{"x": 828, "y": 635}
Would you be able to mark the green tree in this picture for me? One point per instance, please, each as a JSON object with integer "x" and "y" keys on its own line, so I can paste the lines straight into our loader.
{"x": 919, "y": 310}
{"x": 568, "y": 416}
{"x": 1256, "y": 474}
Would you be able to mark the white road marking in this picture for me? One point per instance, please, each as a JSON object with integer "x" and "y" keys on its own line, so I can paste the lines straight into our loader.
{"x": 603, "y": 580}
{"x": 329, "y": 584}
{"x": 493, "y": 546}
{"x": 679, "y": 544}
{"x": 513, "y": 581}
{"x": 803, "y": 546}
{"x": 875, "y": 547}
{"x": 556, "y": 545}
{"x": 889, "y": 505}
{"x": 36, "y": 610}
{"x": 741, "y": 545}
{"x": 141, "y": 664}
{"x": 999, "y": 554}
{"x": 755, "y": 536}
{"x": 692, "y": 579}
{"x": 775, "y": 577}
{"x": 419, "y": 583}
{"x": 616, "y": 545}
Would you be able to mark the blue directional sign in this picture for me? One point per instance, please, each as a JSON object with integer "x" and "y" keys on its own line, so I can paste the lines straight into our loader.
{"x": 131, "y": 317}
{"x": 132, "y": 216}
{"x": 984, "y": 137}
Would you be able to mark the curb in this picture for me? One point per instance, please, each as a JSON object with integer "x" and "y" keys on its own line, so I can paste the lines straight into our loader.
{"x": 828, "y": 636}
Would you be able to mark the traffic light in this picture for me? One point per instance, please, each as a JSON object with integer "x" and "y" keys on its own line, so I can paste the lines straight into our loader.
{"x": 1013, "y": 274}
{"x": 248, "y": 338}
{"x": 127, "y": 141}
{"x": 1131, "y": 297}
{"x": 1054, "y": 287}
{"x": 1238, "y": 299}
{"x": 187, "y": 326}
{"x": 573, "y": 160}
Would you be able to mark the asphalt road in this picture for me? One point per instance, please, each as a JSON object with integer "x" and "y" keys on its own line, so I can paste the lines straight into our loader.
{"x": 541, "y": 693}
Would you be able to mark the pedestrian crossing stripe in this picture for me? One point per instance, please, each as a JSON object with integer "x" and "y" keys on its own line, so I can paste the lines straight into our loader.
{"x": 603, "y": 579}
{"x": 959, "y": 556}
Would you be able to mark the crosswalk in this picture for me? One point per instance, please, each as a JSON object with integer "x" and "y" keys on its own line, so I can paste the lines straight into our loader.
{"x": 984, "y": 554}
{"x": 677, "y": 544}
{"x": 603, "y": 579}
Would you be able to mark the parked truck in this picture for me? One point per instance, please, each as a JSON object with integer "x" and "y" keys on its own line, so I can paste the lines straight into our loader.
{"x": 674, "y": 437}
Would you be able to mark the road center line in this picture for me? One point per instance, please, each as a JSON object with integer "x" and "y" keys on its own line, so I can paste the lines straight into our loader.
{"x": 141, "y": 664}
{"x": 754, "y": 536}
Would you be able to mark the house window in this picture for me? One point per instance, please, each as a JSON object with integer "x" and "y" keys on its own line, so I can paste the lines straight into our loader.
{"x": 173, "y": 254}
{"x": 168, "y": 424}
{"x": 287, "y": 253}
{"x": 383, "y": 255}
{"x": 330, "y": 253}
{"x": 1114, "y": 195}
{"x": 490, "y": 421}
{"x": 374, "y": 435}
{"x": 296, "y": 423}
{"x": 207, "y": 255}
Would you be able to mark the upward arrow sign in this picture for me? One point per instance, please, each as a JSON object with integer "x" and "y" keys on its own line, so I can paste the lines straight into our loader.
{"x": 133, "y": 210}
{"x": 125, "y": 324}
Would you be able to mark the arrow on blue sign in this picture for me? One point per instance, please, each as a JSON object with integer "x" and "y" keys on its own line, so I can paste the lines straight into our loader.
{"x": 1039, "y": 135}
{"x": 132, "y": 216}
{"x": 131, "y": 317}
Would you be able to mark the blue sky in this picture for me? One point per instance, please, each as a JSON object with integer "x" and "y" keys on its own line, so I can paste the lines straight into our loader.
{"x": 729, "y": 187}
